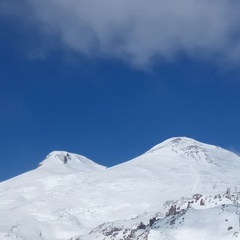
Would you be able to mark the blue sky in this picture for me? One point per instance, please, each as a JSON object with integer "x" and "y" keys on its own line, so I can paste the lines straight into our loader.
{"x": 109, "y": 81}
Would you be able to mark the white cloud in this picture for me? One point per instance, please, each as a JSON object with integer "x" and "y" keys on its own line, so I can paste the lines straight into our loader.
{"x": 139, "y": 30}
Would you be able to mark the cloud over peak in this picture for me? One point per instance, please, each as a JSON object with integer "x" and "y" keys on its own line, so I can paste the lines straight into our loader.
{"x": 137, "y": 31}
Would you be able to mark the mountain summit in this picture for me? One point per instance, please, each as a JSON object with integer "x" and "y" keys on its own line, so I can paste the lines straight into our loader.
{"x": 56, "y": 160}
{"x": 190, "y": 148}
{"x": 170, "y": 192}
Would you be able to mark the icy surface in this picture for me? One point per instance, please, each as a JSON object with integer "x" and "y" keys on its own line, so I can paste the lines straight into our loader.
{"x": 68, "y": 195}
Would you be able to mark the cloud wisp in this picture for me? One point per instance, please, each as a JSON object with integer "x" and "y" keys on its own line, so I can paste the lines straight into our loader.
{"x": 138, "y": 31}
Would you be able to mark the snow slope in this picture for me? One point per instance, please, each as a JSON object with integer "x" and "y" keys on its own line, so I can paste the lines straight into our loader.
{"x": 69, "y": 196}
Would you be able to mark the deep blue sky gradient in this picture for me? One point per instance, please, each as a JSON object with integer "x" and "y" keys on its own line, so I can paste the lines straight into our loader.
{"x": 105, "y": 109}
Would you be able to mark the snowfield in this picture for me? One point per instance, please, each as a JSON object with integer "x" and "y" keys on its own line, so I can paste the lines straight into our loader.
{"x": 180, "y": 189}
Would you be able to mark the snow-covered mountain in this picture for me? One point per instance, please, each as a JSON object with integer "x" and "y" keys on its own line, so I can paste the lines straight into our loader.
{"x": 180, "y": 189}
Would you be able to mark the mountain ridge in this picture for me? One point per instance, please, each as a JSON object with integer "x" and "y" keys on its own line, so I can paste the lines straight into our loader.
{"x": 70, "y": 196}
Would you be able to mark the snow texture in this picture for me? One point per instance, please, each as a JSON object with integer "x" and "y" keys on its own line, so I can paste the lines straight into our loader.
{"x": 180, "y": 189}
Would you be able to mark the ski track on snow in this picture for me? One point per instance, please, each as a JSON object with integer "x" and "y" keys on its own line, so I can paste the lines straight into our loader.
{"x": 196, "y": 180}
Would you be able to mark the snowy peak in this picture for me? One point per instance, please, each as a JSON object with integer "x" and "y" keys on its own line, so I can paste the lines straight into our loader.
{"x": 62, "y": 160}
{"x": 179, "y": 189}
{"x": 179, "y": 143}
{"x": 60, "y": 156}
{"x": 188, "y": 148}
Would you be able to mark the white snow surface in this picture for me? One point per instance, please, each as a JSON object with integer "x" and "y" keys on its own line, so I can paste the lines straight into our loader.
{"x": 68, "y": 195}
